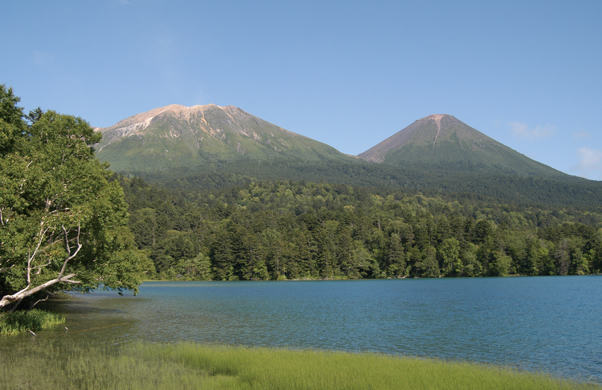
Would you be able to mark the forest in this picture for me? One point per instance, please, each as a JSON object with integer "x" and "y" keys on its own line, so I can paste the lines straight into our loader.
{"x": 279, "y": 230}
{"x": 465, "y": 180}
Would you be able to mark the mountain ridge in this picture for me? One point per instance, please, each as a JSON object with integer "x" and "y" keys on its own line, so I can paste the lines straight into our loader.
{"x": 190, "y": 136}
{"x": 215, "y": 147}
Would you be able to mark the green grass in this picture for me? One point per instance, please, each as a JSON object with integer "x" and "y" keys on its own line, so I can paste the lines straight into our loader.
{"x": 60, "y": 364}
{"x": 33, "y": 320}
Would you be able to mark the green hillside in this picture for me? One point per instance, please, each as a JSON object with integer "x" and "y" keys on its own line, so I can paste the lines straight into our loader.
{"x": 177, "y": 136}
{"x": 452, "y": 182}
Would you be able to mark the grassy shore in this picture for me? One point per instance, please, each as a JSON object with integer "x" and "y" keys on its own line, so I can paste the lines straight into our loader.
{"x": 57, "y": 364}
{"x": 32, "y": 320}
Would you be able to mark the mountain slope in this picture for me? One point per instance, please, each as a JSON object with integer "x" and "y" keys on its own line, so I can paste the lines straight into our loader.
{"x": 443, "y": 139}
{"x": 178, "y": 136}
{"x": 217, "y": 147}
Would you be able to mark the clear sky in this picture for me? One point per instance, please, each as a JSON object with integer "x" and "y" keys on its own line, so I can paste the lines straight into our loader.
{"x": 527, "y": 73}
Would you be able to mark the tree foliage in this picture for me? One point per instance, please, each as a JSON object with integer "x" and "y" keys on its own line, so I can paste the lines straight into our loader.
{"x": 63, "y": 223}
{"x": 292, "y": 230}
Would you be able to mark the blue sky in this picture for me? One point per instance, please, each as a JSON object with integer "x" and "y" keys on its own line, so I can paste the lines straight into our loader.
{"x": 347, "y": 73}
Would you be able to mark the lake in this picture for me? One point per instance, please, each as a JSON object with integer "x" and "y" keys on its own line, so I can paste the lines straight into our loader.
{"x": 551, "y": 324}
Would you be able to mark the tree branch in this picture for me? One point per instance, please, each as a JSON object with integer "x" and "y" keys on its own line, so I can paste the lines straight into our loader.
{"x": 79, "y": 246}
{"x": 41, "y": 300}
{"x": 8, "y": 299}
{"x": 30, "y": 258}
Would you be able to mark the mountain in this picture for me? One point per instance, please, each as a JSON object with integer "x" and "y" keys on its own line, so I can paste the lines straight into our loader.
{"x": 177, "y": 136}
{"x": 216, "y": 147}
{"x": 443, "y": 140}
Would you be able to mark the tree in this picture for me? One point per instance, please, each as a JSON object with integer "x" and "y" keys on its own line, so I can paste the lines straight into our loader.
{"x": 197, "y": 268}
{"x": 395, "y": 262}
{"x": 501, "y": 265}
{"x": 472, "y": 267}
{"x": 63, "y": 224}
{"x": 428, "y": 267}
{"x": 450, "y": 257}
{"x": 563, "y": 257}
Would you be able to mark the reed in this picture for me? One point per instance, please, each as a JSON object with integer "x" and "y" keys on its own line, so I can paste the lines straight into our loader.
{"x": 60, "y": 364}
{"x": 31, "y": 320}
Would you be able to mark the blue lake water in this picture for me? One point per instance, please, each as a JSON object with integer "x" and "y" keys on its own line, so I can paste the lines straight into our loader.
{"x": 551, "y": 324}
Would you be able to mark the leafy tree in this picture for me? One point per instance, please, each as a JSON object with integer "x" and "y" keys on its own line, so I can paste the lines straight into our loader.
{"x": 450, "y": 257}
{"x": 580, "y": 262}
{"x": 143, "y": 224}
{"x": 501, "y": 264}
{"x": 365, "y": 262}
{"x": 535, "y": 254}
{"x": 472, "y": 267}
{"x": 197, "y": 268}
{"x": 563, "y": 257}
{"x": 395, "y": 263}
{"x": 309, "y": 230}
{"x": 63, "y": 225}
{"x": 428, "y": 267}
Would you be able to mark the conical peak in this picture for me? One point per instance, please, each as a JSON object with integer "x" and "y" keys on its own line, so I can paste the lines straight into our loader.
{"x": 427, "y": 131}
{"x": 443, "y": 122}
{"x": 436, "y": 117}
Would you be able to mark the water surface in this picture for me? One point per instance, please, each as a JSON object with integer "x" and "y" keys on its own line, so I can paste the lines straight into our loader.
{"x": 552, "y": 324}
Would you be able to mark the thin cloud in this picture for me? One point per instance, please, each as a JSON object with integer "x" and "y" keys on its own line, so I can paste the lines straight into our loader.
{"x": 590, "y": 163}
{"x": 523, "y": 131}
{"x": 581, "y": 135}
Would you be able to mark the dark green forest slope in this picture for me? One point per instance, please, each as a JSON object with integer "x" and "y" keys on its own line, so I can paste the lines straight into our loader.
{"x": 292, "y": 230}
{"x": 461, "y": 180}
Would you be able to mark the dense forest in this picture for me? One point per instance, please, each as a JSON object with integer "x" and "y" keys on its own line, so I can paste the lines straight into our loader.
{"x": 465, "y": 180}
{"x": 275, "y": 230}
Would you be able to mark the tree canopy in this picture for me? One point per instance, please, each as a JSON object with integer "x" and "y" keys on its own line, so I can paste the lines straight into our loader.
{"x": 300, "y": 230}
{"x": 63, "y": 224}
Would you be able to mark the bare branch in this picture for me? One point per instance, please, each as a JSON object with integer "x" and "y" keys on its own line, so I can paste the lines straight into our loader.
{"x": 5, "y": 270}
{"x": 42, "y": 233}
{"x": 66, "y": 239}
{"x": 39, "y": 267}
{"x": 29, "y": 269}
{"x": 71, "y": 281}
{"x": 64, "y": 210}
{"x": 30, "y": 259}
{"x": 15, "y": 306}
{"x": 41, "y": 300}
{"x": 79, "y": 246}
{"x": 8, "y": 299}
